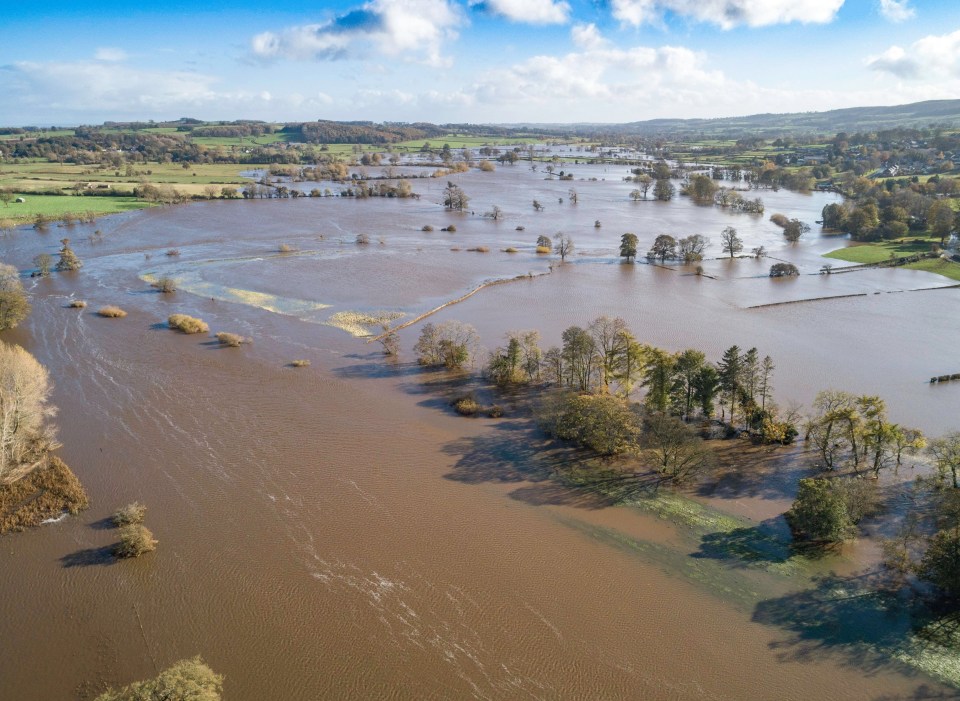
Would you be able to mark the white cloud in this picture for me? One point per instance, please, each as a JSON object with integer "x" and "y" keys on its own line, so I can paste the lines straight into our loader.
{"x": 896, "y": 10}
{"x": 110, "y": 53}
{"x": 532, "y": 11}
{"x": 410, "y": 28}
{"x": 587, "y": 36}
{"x": 934, "y": 56}
{"x": 729, "y": 13}
{"x": 94, "y": 89}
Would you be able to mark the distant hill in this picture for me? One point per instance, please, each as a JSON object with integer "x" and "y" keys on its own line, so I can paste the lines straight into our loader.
{"x": 852, "y": 119}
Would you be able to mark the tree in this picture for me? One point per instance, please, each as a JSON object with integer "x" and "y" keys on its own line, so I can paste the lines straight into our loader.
{"x": 537, "y": 207}
{"x": 43, "y": 261}
{"x": 794, "y": 229}
{"x": 833, "y": 216}
{"x": 819, "y": 513}
{"x": 730, "y": 242}
{"x": 664, "y": 246}
{"x": 940, "y": 219}
{"x": 664, "y": 190}
{"x": 563, "y": 246}
{"x": 940, "y": 564}
{"x": 14, "y": 306}
{"x": 454, "y": 198}
{"x": 608, "y": 337}
{"x": 581, "y": 359}
{"x": 675, "y": 450}
{"x": 687, "y": 368}
{"x": 26, "y": 434}
{"x": 518, "y": 362}
{"x": 945, "y": 452}
{"x": 68, "y": 259}
{"x": 729, "y": 371}
{"x": 573, "y": 196}
{"x": 658, "y": 379}
{"x": 644, "y": 181}
{"x": 765, "y": 382}
{"x": 6, "y": 196}
{"x": 783, "y": 270}
{"x": 602, "y": 422}
{"x": 544, "y": 242}
{"x": 701, "y": 189}
{"x": 186, "y": 680}
{"x": 451, "y": 344}
{"x": 495, "y": 213}
{"x": 628, "y": 247}
{"x": 691, "y": 247}
{"x": 635, "y": 195}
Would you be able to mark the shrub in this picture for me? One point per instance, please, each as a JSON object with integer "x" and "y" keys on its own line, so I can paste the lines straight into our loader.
{"x": 173, "y": 252}
{"x": 487, "y": 166}
{"x": 166, "y": 285}
{"x": 783, "y": 270}
{"x": 819, "y": 513}
{"x": 232, "y": 340}
{"x": 68, "y": 259}
{"x": 77, "y": 304}
{"x": 302, "y": 363}
{"x": 285, "y": 248}
{"x": 133, "y": 512}
{"x": 452, "y": 229}
{"x": 495, "y": 412}
{"x": 135, "y": 540}
{"x": 362, "y": 239}
{"x": 780, "y": 220}
{"x": 941, "y": 562}
{"x": 601, "y": 422}
{"x": 186, "y": 680}
{"x": 511, "y": 249}
{"x": 187, "y": 324}
{"x": 111, "y": 312}
{"x": 543, "y": 250}
{"x": 427, "y": 227}
{"x": 466, "y": 406}
{"x": 479, "y": 249}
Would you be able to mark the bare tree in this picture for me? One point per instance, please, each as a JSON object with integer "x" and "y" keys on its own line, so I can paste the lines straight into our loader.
{"x": 563, "y": 246}
{"x": 25, "y": 432}
{"x": 730, "y": 242}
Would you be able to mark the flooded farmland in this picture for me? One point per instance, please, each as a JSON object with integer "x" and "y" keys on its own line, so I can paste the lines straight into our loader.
{"x": 336, "y": 532}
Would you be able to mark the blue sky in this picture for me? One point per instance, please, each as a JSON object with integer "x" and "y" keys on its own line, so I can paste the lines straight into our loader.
{"x": 497, "y": 61}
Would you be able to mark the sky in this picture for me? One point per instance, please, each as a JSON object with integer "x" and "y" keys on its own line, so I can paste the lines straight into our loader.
{"x": 479, "y": 61}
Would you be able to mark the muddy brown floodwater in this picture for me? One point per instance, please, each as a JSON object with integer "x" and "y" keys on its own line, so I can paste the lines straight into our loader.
{"x": 334, "y": 532}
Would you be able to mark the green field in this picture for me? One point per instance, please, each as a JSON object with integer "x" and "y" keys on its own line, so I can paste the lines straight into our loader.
{"x": 54, "y": 207}
{"x": 882, "y": 251}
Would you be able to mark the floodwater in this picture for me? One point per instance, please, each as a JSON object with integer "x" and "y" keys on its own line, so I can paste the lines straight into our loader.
{"x": 336, "y": 532}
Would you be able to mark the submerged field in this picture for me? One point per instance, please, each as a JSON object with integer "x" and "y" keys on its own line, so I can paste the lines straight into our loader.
{"x": 313, "y": 519}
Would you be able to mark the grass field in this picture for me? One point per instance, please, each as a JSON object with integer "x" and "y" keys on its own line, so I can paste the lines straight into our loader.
{"x": 882, "y": 251}
{"x": 26, "y": 177}
{"x": 55, "y": 206}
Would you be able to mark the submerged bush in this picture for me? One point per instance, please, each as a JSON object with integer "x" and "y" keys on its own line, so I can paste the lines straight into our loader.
{"x": 133, "y": 512}
{"x": 783, "y": 270}
{"x": 819, "y": 513}
{"x": 187, "y": 324}
{"x": 232, "y": 340}
{"x": 166, "y": 285}
{"x": 77, "y": 304}
{"x": 111, "y": 312}
{"x": 135, "y": 540}
{"x": 186, "y": 680}
{"x": 466, "y": 406}
{"x": 300, "y": 363}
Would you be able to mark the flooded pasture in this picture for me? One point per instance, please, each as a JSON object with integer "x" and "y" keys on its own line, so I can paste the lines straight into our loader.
{"x": 336, "y": 532}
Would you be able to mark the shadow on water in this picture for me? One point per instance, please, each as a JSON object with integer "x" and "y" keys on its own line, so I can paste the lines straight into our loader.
{"x": 514, "y": 453}
{"x": 858, "y": 618}
{"x": 755, "y": 471}
{"x": 766, "y": 543}
{"x": 104, "y": 524}
{"x": 89, "y": 557}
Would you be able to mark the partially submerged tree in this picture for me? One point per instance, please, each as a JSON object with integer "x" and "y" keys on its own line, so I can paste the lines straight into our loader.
{"x": 628, "y": 247}
{"x": 730, "y": 242}
{"x": 26, "y": 434}
{"x": 68, "y": 259}
{"x": 451, "y": 344}
{"x": 14, "y": 306}
{"x": 563, "y": 246}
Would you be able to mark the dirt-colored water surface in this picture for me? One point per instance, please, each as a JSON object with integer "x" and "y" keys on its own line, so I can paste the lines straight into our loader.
{"x": 335, "y": 532}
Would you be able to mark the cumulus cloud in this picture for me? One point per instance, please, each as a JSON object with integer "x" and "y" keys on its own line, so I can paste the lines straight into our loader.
{"x": 729, "y": 13}
{"x": 108, "y": 90}
{"x": 587, "y": 36}
{"x": 934, "y": 56}
{"x": 531, "y": 11}
{"x": 409, "y": 28}
{"x": 896, "y": 10}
